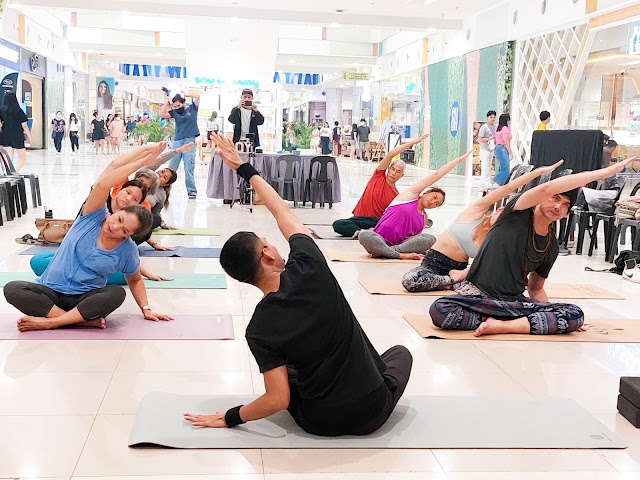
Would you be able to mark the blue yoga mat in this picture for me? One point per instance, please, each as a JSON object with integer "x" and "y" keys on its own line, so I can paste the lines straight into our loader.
{"x": 184, "y": 252}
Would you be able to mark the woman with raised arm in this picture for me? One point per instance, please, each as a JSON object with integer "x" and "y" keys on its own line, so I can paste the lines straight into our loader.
{"x": 398, "y": 233}
{"x": 73, "y": 289}
{"x": 446, "y": 263}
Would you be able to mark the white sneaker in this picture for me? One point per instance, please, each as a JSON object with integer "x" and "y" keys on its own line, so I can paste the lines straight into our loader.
{"x": 632, "y": 274}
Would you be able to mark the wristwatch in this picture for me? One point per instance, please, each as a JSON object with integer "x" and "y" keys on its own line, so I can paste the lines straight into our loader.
{"x": 146, "y": 307}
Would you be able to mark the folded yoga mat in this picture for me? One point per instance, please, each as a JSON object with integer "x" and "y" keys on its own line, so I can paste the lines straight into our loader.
{"x": 184, "y": 252}
{"x": 598, "y": 330}
{"x": 326, "y": 233}
{"x": 340, "y": 256}
{"x": 181, "y": 281}
{"x": 130, "y": 327}
{"x": 417, "y": 422}
{"x": 37, "y": 249}
{"x": 378, "y": 286}
{"x": 188, "y": 231}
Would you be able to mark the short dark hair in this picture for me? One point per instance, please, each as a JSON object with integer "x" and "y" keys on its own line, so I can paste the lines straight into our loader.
{"x": 139, "y": 184}
{"x": 177, "y": 98}
{"x": 544, "y": 115}
{"x": 363, "y": 120}
{"x": 247, "y": 91}
{"x": 491, "y": 112}
{"x": 240, "y": 257}
{"x": 336, "y": 123}
{"x": 145, "y": 219}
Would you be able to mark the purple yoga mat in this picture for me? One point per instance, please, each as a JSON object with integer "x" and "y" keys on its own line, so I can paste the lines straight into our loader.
{"x": 130, "y": 327}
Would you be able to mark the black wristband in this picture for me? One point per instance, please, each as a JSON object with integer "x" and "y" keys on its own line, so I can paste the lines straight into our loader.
{"x": 246, "y": 171}
{"x": 232, "y": 417}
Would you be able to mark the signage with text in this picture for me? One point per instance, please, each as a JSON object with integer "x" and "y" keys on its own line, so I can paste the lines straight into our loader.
{"x": 355, "y": 76}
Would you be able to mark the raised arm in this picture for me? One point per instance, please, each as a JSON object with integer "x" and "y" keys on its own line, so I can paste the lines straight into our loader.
{"x": 166, "y": 107}
{"x": 288, "y": 223}
{"x": 386, "y": 161}
{"x": 417, "y": 188}
{"x": 109, "y": 178}
{"x": 482, "y": 204}
{"x": 127, "y": 158}
{"x": 539, "y": 194}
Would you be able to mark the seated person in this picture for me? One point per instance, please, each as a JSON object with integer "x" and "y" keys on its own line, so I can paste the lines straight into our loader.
{"x": 73, "y": 289}
{"x": 377, "y": 195}
{"x": 316, "y": 360}
{"x": 518, "y": 253}
{"x": 634, "y": 199}
{"x": 446, "y": 263}
{"x": 398, "y": 233}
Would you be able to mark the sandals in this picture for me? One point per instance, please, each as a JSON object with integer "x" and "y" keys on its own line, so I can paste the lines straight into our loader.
{"x": 29, "y": 240}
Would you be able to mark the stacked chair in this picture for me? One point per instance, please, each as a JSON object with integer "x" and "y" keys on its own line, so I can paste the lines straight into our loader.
{"x": 13, "y": 190}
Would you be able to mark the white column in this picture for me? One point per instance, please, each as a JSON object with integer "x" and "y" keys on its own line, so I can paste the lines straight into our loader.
{"x": 334, "y": 105}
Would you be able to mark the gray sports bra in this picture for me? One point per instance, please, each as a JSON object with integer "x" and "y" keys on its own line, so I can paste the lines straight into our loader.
{"x": 462, "y": 234}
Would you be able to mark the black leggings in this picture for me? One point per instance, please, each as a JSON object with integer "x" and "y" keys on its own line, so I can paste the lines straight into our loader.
{"x": 37, "y": 300}
{"x": 73, "y": 136}
{"x": 432, "y": 274}
{"x": 353, "y": 418}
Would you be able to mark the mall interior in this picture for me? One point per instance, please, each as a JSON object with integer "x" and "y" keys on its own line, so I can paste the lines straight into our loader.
{"x": 426, "y": 293}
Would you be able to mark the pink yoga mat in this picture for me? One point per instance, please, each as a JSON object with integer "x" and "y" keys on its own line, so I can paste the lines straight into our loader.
{"x": 130, "y": 327}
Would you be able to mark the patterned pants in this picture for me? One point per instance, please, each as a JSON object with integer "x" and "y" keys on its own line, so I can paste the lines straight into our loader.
{"x": 463, "y": 312}
{"x": 432, "y": 274}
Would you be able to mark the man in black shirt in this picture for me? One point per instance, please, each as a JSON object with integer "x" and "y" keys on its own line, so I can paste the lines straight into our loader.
{"x": 316, "y": 360}
{"x": 518, "y": 253}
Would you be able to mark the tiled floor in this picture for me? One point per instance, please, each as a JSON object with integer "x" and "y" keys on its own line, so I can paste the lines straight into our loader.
{"x": 66, "y": 408}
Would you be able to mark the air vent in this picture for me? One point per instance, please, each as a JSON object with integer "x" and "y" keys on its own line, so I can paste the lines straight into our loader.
{"x": 543, "y": 7}
{"x": 468, "y": 33}
{"x": 514, "y": 20}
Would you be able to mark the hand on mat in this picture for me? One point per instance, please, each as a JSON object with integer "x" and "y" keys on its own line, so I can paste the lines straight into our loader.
{"x": 159, "y": 278}
{"x": 155, "y": 317}
{"x": 169, "y": 227}
{"x": 210, "y": 421}
{"x": 185, "y": 148}
{"x": 550, "y": 168}
{"x": 228, "y": 151}
{"x": 160, "y": 248}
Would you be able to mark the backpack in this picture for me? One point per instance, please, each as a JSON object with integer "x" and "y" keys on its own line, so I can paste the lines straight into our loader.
{"x": 619, "y": 262}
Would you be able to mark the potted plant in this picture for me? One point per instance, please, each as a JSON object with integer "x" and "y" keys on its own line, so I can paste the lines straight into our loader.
{"x": 153, "y": 131}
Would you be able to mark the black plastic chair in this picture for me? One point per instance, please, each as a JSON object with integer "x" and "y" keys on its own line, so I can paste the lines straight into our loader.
{"x": 34, "y": 181}
{"x": 291, "y": 176}
{"x": 620, "y": 230}
{"x": 312, "y": 185}
{"x": 10, "y": 197}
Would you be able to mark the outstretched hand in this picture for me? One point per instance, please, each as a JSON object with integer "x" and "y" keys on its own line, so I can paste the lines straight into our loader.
{"x": 228, "y": 151}
{"x": 550, "y": 168}
{"x": 185, "y": 148}
{"x": 153, "y": 152}
{"x": 615, "y": 168}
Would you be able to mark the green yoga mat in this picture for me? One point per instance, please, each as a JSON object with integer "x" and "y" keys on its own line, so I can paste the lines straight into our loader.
{"x": 182, "y": 281}
{"x": 188, "y": 231}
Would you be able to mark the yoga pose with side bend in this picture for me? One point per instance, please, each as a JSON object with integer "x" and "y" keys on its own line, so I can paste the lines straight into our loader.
{"x": 397, "y": 234}
{"x": 316, "y": 360}
{"x": 446, "y": 263}
{"x": 518, "y": 253}
{"x": 378, "y": 194}
{"x": 73, "y": 289}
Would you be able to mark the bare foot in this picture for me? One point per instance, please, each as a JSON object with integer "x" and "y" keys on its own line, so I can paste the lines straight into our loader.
{"x": 458, "y": 275}
{"x": 97, "y": 323}
{"x": 27, "y": 323}
{"x": 356, "y": 235}
{"x": 491, "y": 326}
{"x": 410, "y": 256}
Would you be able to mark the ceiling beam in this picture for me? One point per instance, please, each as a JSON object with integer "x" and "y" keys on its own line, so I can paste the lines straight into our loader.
{"x": 281, "y": 16}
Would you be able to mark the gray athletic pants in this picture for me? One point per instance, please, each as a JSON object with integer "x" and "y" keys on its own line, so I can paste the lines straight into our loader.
{"x": 377, "y": 246}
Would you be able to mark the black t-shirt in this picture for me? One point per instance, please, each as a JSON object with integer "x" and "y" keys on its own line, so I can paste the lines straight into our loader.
{"x": 12, "y": 125}
{"x": 499, "y": 268}
{"x": 308, "y": 325}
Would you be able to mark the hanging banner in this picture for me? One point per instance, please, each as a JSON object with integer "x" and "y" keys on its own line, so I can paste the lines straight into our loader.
{"x": 105, "y": 88}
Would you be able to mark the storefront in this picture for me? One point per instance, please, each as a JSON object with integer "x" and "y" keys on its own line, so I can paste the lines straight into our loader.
{"x": 400, "y": 102}
{"x": 9, "y": 69}
{"x": 80, "y": 93}
{"x": 608, "y": 93}
{"x": 32, "y": 75}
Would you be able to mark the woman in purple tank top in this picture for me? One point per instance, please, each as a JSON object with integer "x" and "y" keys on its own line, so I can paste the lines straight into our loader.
{"x": 398, "y": 233}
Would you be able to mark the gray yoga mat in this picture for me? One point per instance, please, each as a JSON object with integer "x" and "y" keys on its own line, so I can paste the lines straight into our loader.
{"x": 417, "y": 422}
{"x": 184, "y": 252}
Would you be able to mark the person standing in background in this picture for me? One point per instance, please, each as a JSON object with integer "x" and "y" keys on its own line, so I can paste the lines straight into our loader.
{"x": 14, "y": 129}
{"x": 503, "y": 149}
{"x": 186, "y": 119}
{"x": 116, "y": 130}
{"x": 58, "y": 131}
{"x": 97, "y": 132}
{"x": 107, "y": 125}
{"x": 545, "y": 118}
{"x": 325, "y": 139}
{"x": 212, "y": 126}
{"x": 337, "y": 136}
{"x": 74, "y": 132}
{"x": 487, "y": 141}
{"x": 363, "y": 139}
{"x": 246, "y": 118}
{"x": 353, "y": 142}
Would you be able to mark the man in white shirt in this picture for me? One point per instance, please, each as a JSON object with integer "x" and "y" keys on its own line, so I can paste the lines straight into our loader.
{"x": 486, "y": 137}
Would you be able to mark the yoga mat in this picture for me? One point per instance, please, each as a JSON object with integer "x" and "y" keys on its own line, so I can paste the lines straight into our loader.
{"x": 37, "y": 249}
{"x": 184, "y": 252}
{"x": 378, "y": 286}
{"x": 340, "y": 256}
{"x": 576, "y": 291}
{"x": 181, "y": 281}
{"x": 327, "y": 233}
{"x": 130, "y": 327}
{"x": 188, "y": 231}
{"x": 598, "y": 330}
{"x": 417, "y": 422}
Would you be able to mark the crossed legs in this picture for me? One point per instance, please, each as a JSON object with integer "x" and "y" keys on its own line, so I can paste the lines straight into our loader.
{"x": 409, "y": 249}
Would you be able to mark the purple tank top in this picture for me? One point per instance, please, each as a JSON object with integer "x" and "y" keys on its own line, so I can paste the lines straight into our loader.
{"x": 400, "y": 222}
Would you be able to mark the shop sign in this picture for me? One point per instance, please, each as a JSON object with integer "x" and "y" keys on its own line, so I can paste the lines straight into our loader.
{"x": 633, "y": 44}
{"x": 287, "y": 78}
{"x": 600, "y": 116}
{"x": 355, "y": 76}
{"x": 218, "y": 82}
{"x": 157, "y": 71}
{"x": 9, "y": 54}
{"x": 454, "y": 119}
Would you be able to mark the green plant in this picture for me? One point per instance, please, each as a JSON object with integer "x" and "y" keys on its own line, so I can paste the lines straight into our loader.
{"x": 152, "y": 131}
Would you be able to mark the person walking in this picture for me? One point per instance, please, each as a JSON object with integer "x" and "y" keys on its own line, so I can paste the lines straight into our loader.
{"x": 58, "y": 130}
{"x": 97, "y": 132}
{"x": 186, "y": 118}
{"x": 14, "y": 129}
{"x": 74, "y": 132}
{"x": 116, "y": 130}
{"x": 325, "y": 139}
{"x": 487, "y": 141}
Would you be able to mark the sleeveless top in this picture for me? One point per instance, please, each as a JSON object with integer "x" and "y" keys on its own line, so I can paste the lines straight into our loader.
{"x": 400, "y": 221}
{"x": 462, "y": 234}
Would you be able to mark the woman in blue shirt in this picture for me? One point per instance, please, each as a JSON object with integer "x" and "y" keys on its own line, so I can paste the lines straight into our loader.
{"x": 73, "y": 289}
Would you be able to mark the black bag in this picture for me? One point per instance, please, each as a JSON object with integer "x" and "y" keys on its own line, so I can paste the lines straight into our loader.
{"x": 620, "y": 262}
